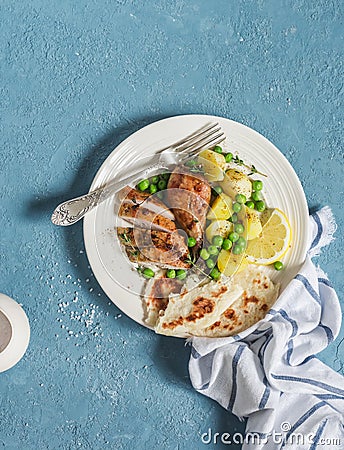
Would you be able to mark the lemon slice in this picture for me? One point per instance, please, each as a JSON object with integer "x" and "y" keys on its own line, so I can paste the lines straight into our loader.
{"x": 273, "y": 242}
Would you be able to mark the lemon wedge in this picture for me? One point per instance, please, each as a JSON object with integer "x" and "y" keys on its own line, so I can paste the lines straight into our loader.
{"x": 254, "y": 226}
{"x": 273, "y": 242}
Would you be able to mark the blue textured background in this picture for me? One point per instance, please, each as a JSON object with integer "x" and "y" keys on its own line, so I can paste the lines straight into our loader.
{"x": 76, "y": 79}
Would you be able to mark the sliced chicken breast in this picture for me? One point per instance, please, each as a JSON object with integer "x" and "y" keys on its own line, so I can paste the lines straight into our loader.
{"x": 142, "y": 217}
{"x": 189, "y": 196}
{"x": 152, "y": 202}
{"x": 167, "y": 249}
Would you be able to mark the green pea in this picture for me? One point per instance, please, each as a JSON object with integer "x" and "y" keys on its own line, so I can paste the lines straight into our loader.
{"x": 256, "y": 196}
{"x": 191, "y": 163}
{"x": 191, "y": 241}
{"x": 155, "y": 180}
{"x": 233, "y": 236}
{"x": 143, "y": 185}
{"x": 227, "y": 244}
{"x": 165, "y": 176}
{"x": 250, "y": 204}
{"x": 217, "y": 240}
{"x": 218, "y": 189}
{"x": 148, "y": 273}
{"x": 215, "y": 273}
{"x": 278, "y": 265}
{"x": 204, "y": 254}
{"x": 234, "y": 218}
{"x": 210, "y": 263}
{"x": 240, "y": 198}
{"x": 162, "y": 185}
{"x": 181, "y": 274}
{"x": 229, "y": 157}
{"x": 257, "y": 185}
{"x": 260, "y": 206}
{"x": 237, "y": 249}
{"x": 217, "y": 149}
{"x": 239, "y": 228}
{"x": 171, "y": 273}
{"x": 153, "y": 188}
{"x": 241, "y": 242}
{"x": 236, "y": 207}
{"x": 212, "y": 250}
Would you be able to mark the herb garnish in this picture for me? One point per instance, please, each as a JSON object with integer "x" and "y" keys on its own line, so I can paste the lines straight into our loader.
{"x": 252, "y": 168}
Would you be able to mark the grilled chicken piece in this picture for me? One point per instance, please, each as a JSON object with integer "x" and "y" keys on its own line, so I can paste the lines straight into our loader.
{"x": 142, "y": 217}
{"x": 135, "y": 197}
{"x": 166, "y": 249}
{"x": 157, "y": 294}
{"x": 136, "y": 257}
{"x": 189, "y": 196}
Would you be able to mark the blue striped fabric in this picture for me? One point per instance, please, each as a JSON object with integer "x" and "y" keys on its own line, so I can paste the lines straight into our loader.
{"x": 272, "y": 375}
{"x": 318, "y": 435}
{"x": 235, "y": 361}
{"x": 308, "y": 286}
{"x": 302, "y": 420}
{"x": 317, "y": 237}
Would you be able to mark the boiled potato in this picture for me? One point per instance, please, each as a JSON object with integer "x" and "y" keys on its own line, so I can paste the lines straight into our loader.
{"x": 230, "y": 264}
{"x": 236, "y": 182}
{"x": 213, "y": 164}
{"x": 254, "y": 226}
{"x": 218, "y": 228}
{"x": 221, "y": 209}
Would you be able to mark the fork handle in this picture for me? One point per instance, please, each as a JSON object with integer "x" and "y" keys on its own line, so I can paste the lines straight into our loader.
{"x": 70, "y": 211}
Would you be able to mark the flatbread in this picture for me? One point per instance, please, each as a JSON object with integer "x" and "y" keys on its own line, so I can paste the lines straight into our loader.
{"x": 215, "y": 309}
{"x": 258, "y": 296}
{"x": 197, "y": 309}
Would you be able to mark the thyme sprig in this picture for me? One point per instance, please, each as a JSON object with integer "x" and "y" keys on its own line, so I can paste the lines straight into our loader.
{"x": 251, "y": 168}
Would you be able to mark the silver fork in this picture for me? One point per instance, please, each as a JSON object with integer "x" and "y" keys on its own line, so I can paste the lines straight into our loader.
{"x": 69, "y": 212}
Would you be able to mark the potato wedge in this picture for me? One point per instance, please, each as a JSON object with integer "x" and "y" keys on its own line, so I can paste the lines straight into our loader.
{"x": 254, "y": 226}
{"x": 230, "y": 264}
{"x": 213, "y": 164}
{"x": 218, "y": 228}
{"x": 236, "y": 182}
{"x": 221, "y": 209}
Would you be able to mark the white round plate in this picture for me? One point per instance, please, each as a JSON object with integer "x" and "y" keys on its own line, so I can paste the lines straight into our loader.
{"x": 282, "y": 189}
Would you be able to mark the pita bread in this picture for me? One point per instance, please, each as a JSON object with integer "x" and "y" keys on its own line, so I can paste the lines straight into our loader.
{"x": 215, "y": 309}
{"x": 258, "y": 296}
{"x": 197, "y": 309}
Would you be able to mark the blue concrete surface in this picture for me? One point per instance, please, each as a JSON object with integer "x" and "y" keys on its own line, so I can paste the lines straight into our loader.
{"x": 77, "y": 77}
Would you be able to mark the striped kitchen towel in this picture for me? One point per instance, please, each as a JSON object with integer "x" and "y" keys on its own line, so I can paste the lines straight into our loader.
{"x": 271, "y": 376}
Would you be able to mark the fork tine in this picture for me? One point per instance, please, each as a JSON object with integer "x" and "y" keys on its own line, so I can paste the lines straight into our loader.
{"x": 191, "y": 137}
{"x": 198, "y": 138}
{"x": 206, "y": 140}
{"x": 196, "y": 149}
{"x": 196, "y": 133}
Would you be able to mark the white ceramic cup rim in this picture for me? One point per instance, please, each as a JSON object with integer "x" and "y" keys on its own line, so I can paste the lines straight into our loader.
{"x": 20, "y": 337}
